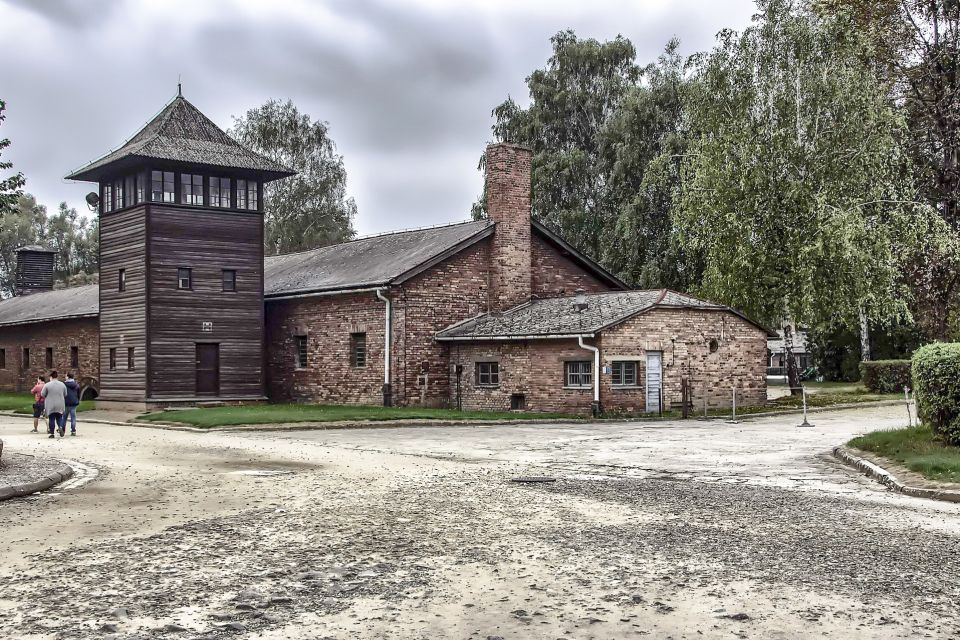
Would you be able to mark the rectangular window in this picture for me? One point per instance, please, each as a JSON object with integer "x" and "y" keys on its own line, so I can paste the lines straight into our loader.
{"x": 488, "y": 374}
{"x": 191, "y": 189}
{"x": 301, "y": 352}
{"x": 162, "y": 186}
{"x": 118, "y": 194}
{"x": 25, "y": 361}
{"x": 113, "y": 359}
{"x": 122, "y": 280}
{"x": 107, "y": 201}
{"x": 241, "y": 194}
{"x": 624, "y": 373}
{"x": 49, "y": 358}
{"x": 184, "y": 278}
{"x": 358, "y": 349}
{"x": 229, "y": 280}
{"x": 130, "y": 366}
{"x": 579, "y": 373}
{"x": 3, "y": 358}
{"x": 138, "y": 188}
{"x": 252, "y": 196}
{"x": 129, "y": 189}
{"x": 74, "y": 357}
{"x": 220, "y": 192}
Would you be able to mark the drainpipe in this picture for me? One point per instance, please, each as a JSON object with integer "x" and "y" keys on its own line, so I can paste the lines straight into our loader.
{"x": 595, "y": 405}
{"x": 387, "y": 324}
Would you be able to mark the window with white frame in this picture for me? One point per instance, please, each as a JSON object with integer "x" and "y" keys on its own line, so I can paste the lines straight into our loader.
{"x": 579, "y": 373}
{"x": 220, "y": 192}
{"x": 624, "y": 373}
{"x": 488, "y": 374}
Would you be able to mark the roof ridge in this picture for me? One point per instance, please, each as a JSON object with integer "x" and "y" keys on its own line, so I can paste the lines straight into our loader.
{"x": 379, "y": 235}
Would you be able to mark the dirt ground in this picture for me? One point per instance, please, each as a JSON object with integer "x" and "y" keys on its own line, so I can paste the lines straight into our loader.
{"x": 666, "y": 530}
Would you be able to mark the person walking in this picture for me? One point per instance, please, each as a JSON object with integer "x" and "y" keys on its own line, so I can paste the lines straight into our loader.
{"x": 37, "y": 402}
{"x": 55, "y": 403}
{"x": 72, "y": 401}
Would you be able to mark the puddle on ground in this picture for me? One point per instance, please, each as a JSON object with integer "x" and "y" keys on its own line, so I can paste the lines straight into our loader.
{"x": 260, "y": 472}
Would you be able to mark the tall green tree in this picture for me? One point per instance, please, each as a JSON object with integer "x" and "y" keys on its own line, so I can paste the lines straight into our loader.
{"x": 792, "y": 190}
{"x": 572, "y": 100}
{"x": 11, "y": 187}
{"x": 310, "y": 209}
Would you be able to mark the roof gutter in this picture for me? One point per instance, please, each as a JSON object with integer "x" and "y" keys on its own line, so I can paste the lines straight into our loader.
{"x": 313, "y": 294}
{"x": 548, "y": 336}
{"x": 54, "y": 319}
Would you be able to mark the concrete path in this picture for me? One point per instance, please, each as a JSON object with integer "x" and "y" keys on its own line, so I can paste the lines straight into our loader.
{"x": 683, "y": 530}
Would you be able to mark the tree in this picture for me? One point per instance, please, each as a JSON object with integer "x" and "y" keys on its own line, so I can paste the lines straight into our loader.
{"x": 572, "y": 100}
{"x": 11, "y": 187}
{"x": 792, "y": 188}
{"x": 310, "y": 209}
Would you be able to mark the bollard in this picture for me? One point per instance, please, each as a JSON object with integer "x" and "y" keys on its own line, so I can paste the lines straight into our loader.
{"x": 733, "y": 420}
{"x": 805, "y": 422}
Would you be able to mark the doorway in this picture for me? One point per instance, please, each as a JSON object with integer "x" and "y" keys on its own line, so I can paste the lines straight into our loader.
{"x": 654, "y": 380}
{"x": 208, "y": 369}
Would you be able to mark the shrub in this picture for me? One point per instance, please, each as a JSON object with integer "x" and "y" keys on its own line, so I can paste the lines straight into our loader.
{"x": 936, "y": 383}
{"x": 885, "y": 376}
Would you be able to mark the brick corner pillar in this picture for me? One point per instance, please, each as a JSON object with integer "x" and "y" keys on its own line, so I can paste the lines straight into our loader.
{"x": 508, "y": 206}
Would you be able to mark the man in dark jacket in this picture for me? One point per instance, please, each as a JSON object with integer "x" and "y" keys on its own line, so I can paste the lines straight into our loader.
{"x": 72, "y": 401}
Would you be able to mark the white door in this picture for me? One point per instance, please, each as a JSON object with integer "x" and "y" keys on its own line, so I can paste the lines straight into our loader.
{"x": 654, "y": 378}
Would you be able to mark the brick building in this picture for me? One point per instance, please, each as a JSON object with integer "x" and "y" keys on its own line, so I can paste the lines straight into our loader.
{"x": 498, "y": 313}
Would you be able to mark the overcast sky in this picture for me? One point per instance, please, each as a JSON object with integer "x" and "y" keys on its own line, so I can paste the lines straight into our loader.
{"x": 407, "y": 87}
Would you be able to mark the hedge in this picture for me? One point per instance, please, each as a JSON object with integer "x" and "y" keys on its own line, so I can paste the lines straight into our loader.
{"x": 885, "y": 376}
{"x": 936, "y": 383}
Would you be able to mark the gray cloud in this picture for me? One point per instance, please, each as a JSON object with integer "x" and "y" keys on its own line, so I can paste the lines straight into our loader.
{"x": 407, "y": 87}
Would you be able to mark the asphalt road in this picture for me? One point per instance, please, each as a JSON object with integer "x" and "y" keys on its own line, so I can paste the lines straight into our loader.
{"x": 681, "y": 530}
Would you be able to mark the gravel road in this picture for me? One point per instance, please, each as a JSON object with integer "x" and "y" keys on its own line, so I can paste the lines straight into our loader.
{"x": 667, "y": 530}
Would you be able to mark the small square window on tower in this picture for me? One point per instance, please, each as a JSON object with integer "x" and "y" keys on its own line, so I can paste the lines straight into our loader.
{"x": 229, "y": 277}
{"x": 184, "y": 278}
{"x": 122, "y": 280}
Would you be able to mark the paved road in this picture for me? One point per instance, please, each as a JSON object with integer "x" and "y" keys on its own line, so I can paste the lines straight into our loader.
{"x": 683, "y": 530}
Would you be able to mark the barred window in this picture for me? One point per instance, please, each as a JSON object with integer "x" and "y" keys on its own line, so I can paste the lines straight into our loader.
{"x": 191, "y": 189}
{"x": 488, "y": 374}
{"x": 624, "y": 374}
{"x": 358, "y": 349}
{"x": 301, "y": 352}
{"x": 579, "y": 373}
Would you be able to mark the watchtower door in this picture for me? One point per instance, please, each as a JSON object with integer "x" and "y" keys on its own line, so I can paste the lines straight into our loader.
{"x": 654, "y": 380}
{"x": 208, "y": 369}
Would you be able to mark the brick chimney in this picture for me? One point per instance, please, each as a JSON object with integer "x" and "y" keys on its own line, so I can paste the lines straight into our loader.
{"x": 508, "y": 205}
{"x": 34, "y": 270}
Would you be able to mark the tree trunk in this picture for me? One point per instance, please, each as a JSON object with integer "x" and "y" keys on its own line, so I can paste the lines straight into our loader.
{"x": 793, "y": 371}
{"x": 864, "y": 337}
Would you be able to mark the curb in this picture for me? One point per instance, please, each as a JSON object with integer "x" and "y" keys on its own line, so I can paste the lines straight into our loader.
{"x": 887, "y": 479}
{"x": 64, "y": 472}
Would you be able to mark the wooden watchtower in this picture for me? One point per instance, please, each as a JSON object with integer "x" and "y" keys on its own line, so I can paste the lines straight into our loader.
{"x": 181, "y": 262}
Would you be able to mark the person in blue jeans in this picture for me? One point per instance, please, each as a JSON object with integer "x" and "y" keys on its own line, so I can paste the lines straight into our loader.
{"x": 72, "y": 402}
{"x": 54, "y": 403}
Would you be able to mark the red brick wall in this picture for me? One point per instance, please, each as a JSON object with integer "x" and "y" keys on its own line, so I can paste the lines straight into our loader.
{"x": 327, "y": 321}
{"x": 508, "y": 205}
{"x": 83, "y": 333}
{"x": 535, "y": 368}
{"x": 556, "y": 275}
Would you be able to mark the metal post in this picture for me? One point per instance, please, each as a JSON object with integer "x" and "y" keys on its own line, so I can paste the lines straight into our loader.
{"x": 733, "y": 420}
{"x": 906, "y": 398}
{"x": 805, "y": 422}
{"x": 705, "y": 402}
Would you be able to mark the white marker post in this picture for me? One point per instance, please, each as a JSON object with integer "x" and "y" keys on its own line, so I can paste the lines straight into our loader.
{"x": 805, "y": 422}
{"x": 906, "y": 398}
{"x": 733, "y": 420}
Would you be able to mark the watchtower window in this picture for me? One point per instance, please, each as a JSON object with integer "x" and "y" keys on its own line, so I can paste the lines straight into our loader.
{"x": 253, "y": 200}
{"x": 229, "y": 279}
{"x": 184, "y": 278}
{"x": 191, "y": 189}
{"x": 138, "y": 188}
{"x": 220, "y": 192}
{"x": 107, "y": 198}
{"x": 118, "y": 194}
{"x": 162, "y": 186}
{"x": 241, "y": 194}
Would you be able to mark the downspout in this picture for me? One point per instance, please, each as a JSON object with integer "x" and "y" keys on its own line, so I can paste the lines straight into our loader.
{"x": 387, "y": 324}
{"x": 595, "y": 405}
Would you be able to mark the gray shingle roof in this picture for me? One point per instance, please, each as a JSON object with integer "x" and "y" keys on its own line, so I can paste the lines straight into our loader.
{"x": 60, "y": 304}
{"x": 559, "y": 316}
{"x": 181, "y": 133}
{"x": 368, "y": 262}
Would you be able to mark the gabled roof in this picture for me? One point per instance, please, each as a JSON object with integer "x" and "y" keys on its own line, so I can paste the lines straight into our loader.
{"x": 559, "y": 317}
{"x": 181, "y": 133}
{"x": 368, "y": 262}
{"x": 582, "y": 259}
{"x": 59, "y": 304}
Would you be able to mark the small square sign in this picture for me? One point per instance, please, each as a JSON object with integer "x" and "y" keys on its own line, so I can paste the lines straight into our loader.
{"x": 206, "y": 327}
